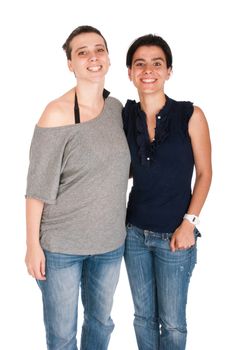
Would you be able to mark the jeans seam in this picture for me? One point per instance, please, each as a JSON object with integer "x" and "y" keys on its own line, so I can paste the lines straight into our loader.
{"x": 84, "y": 287}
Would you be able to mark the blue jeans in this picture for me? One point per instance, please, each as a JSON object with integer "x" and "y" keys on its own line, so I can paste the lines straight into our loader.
{"x": 98, "y": 276}
{"x": 159, "y": 282}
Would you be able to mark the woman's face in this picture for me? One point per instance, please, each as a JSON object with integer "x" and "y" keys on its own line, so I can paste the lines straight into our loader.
{"x": 89, "y": 57}
{"x": 149, "y": 70}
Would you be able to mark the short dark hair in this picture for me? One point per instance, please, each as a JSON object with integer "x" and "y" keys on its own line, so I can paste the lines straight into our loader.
{"x": 149, "y": 40}
{"x": 79, "y": 30}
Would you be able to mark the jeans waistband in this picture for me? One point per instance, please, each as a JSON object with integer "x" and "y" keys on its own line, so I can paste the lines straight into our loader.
{"x": 159, "y": 235}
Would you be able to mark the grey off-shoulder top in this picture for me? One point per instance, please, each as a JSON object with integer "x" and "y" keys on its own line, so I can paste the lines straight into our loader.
{"x": 80, "y": 172}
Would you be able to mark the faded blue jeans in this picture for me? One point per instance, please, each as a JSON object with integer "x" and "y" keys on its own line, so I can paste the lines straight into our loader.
{"x": 98, "y": 276}
{"x": 159, "y": 281}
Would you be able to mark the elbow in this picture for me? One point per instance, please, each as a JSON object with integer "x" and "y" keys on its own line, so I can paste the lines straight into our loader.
{"x": 205, "y": 177}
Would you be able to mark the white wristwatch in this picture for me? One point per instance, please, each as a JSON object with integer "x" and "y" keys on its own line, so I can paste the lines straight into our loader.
{"x": 192, "y": 218}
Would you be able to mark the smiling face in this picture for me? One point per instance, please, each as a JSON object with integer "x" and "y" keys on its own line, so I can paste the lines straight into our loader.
{"x": 149, "y": 70}
{"x": 89, "y": 57}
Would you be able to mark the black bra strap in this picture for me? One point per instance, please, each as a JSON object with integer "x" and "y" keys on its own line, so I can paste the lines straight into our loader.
{"x": 105, "y": 93}
{"x": 76, "y": 110}
{"x": 76, "y": 107}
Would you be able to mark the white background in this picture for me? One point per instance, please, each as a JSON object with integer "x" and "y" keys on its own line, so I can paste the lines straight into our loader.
{"x": 33, "y": 71}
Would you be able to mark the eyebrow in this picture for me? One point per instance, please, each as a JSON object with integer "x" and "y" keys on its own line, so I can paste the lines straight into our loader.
{"x": 153, "y": 59}
{"x": 84, "y": 47}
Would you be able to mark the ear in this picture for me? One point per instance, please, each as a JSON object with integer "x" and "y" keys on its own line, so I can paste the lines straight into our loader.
{"x": 169, "y": 73}
{"x": 129, "y": 74}
{"x": 70, "y": 67}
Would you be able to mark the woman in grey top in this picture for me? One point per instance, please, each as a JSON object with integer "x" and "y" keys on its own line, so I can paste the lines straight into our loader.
{"x": 76, "y": 200}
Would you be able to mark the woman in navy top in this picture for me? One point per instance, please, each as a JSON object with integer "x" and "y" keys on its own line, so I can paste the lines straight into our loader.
{"x": 167, "y": 139}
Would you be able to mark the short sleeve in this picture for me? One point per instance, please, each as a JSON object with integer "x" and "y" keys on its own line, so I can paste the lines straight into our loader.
{"x": 126, "y": 112}
{"x": 125, "y": 120}
{"x": 46, "y": 154}
{"x": 187, "y": 112}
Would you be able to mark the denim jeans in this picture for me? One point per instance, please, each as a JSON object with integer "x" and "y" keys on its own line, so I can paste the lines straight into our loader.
{"x": 98, "y": 276}
{"x": 159, "y": 282}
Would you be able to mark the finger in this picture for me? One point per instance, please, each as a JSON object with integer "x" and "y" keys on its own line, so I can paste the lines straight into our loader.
{"x": 42, "y": 268}
{"x": 39, "y": 272}
{"x": 35, "y": 272}
{"x": 173, "y": 244}
{"x": 183, "y": 247}
{"x": 39, "y": 276}
{"x": 31, "y": 272}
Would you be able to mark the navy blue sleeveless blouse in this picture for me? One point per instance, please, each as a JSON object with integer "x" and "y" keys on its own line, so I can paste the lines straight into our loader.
{"x": 162, "y": 170}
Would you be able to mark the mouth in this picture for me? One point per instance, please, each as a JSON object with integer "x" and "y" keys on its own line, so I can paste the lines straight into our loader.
{"x": 94, "y": 68}
{"x": 148, "y": 80}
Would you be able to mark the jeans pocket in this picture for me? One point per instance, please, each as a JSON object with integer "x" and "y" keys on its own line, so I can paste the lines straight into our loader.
{"x": 193, "y": 260}
{"x": 196, "y": 233}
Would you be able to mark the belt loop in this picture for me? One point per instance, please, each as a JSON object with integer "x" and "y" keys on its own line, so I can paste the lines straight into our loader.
{"x": 165, "y": 236}
{"x": 145, "y": 232}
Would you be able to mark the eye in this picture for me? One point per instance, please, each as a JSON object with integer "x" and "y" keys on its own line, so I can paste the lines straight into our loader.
{"x": 139, "y": 64}
{"x": 82, "y": 53}
{"x": 157, "y": 63}
{"x": 101, "y": 49}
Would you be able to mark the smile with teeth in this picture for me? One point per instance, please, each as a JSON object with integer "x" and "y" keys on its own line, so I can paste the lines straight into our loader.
{"x": 95, "y": 68}
{"x": 148, "y": 80}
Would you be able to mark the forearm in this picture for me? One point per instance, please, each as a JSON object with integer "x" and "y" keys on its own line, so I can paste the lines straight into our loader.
{"x": 200, "y": 192}
{"x": 183, "y": 237}
{"x": 35, "y": 259}
{"x": 34, "y": 209}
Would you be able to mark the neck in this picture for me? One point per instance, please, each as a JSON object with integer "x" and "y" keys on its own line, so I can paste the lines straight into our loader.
{"x": 89, "y": 94}
{"x": 151, "y": 104}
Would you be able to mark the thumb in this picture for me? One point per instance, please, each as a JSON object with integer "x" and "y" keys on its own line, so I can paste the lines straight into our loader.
{"x": 173, "y": 244}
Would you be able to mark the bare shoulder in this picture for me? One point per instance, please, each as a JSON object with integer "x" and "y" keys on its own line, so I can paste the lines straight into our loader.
{"x": 58, "y": 112}
{"x": 52, "y": 115}
{"x": 198, "y": 122}
{"x": 198, "y": 116}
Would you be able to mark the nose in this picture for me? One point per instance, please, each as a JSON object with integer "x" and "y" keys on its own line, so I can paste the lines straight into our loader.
{"x": 148, "y": 68}
{"x": 92, "y": 57}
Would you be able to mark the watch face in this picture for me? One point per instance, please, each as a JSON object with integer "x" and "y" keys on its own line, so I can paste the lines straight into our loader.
{"x": 195, "y": 220}
{"x": 192, "y": 218}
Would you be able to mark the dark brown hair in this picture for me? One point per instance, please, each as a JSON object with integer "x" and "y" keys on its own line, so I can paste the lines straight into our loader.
{"x": 79, "y": 30}
{"x": 149, "y": 40}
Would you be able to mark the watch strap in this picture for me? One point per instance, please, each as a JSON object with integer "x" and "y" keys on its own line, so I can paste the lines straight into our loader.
{"x": 194, "y": 219}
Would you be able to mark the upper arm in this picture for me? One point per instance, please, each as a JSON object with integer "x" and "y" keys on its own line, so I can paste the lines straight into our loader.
{"x": 49, "y": 116}
{"x": 200, "y": 140}
{"x": 57, "y": 113}
{"x": 46, "y": 155}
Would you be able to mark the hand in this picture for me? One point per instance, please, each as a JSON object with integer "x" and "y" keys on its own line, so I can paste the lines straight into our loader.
{"x": 183, "y": 237}
{"x": 35, "y": 261}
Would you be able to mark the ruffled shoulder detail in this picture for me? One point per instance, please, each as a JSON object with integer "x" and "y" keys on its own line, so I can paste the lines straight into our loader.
{"x": 146, "y": 149}
{"x": 127, "y": 113}
{"x": 187, "y": 109}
